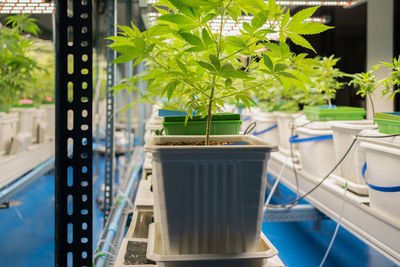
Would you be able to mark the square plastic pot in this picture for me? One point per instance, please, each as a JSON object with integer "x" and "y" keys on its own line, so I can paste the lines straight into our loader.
{"x": 209, "y": 198}
{"x": 322, "y": 113}
{"x": 267, "y": 128}
{"x": 383, "y": 161}
{"x": 388, "y": 123}
{"x": 8, "y": 130}
{"x": 343, "y": 135}
{"x": 258, "y": 258}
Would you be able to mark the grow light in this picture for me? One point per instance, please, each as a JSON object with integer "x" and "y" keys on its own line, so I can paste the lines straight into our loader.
{"x": 26, "y": 7}
{"x": 302, "y": 3}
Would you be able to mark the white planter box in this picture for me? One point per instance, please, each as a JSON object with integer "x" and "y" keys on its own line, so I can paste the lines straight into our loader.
{"x": 383, "y": 161}
{"x": 343, "y": 135}
{"x": 25, "y": 120}
{"x": 265, "y": 250}
{"x": 267, "y": 128}
{"x": 8, "y": 130}
{"x": 317, "y": 158}
{"x": 210, "y": 198}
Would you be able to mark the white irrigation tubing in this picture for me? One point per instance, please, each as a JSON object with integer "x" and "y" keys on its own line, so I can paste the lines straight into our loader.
{"x": 274, "y": 187}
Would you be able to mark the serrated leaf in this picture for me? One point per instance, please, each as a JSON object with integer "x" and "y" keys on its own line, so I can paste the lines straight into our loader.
{"x": 124, "y": 58}
{"x": 128, "y": 30}
{"x": 195, "y": 49}
{"x": 228, "y": 82}
{"x": 207, "y": 18}
{"x": 287, "y": 74}
{"x": 236, "y": 41}
{"x": 299, "y": 40}
{"x": 206, "y": 65}
{"x": 169, "y": 89}
{"x": 265, "y": 31}
{"x": 191, "y": 39}
{"x": 280, "y": 67}
{"x": 268, "y": 62}
{"x": 247, "y": 27}
{"x": 215, "y": 61}
{"x": 302, "y": 15}
{"x": 236, "y": 74}
{"x": 285, "y": 19}
{"x": 182, "y": 7}
{"x": 206, "y": 37}
{"x": 232, "y": 13}
{"x": 181, "y": 65}
{"x": 123, "y": 48}
{"x": 258, "y": 21}
{"x": 309, "y": 28}
{"x": 176, "y": 18}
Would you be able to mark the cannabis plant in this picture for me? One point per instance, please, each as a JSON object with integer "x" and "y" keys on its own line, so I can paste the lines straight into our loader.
{"x": 15, "y": 65}
{"x": 366, "y": 84}
{"x": 191, "y": 53}
{"x": 326, "y": 78}
{"x": 392, "y": 83}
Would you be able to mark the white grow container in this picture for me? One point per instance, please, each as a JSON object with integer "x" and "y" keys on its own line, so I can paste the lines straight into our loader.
{"x": 267, "y": 128}
{"x": 383, "y": 162}
{"x": 285, "y": 122}
{"x": 39, "y": 126}
{"x": 317, "y": 155}
{"x": 257, "y": 258}
{"x": 25, "y": 119}
{"x": 50, "y": 119}
{"x": 8, "y": 130}
{"x": 210, "y": 199}
{"x": 350, "y": 168}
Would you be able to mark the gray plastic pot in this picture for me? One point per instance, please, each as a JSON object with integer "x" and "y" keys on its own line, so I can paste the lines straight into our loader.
{"x": 209, "y": 198}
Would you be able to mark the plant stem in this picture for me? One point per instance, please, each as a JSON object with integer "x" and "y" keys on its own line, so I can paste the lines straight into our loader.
{"x": 372, "y": 105}
{"x": 209, "y": 113}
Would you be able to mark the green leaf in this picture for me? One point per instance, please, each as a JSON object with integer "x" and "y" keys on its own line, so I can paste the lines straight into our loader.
{"x": 299, "y": 40}
{"x": 206, "y": 65}
{"x": 181, "y": 65}
{"x": 280, "y": 67}
{"x": 169, "y": 89}
{"x": 232, "y": 13}
{"x": 176, "y": 18}
{"x": 182, "y": 7}
{"x": 206, "y": 37}
{"x": 268, "y": 62}
{"x": 215, "y": 61}
{"x": 247, "y": 27}
{"x": 207, "y": 18}
{"x": 265, "y": 31}
{"x": 195, "y": 49}
{"x": 228, "y": 82}
{"x": 236, "y": 41}
{"x": 302, "y": 15}
{"x": 258, "y": 20}
{"x": 309, "y": 28}
{"x": 191, "y": 39}
{"x": 124, "y": 48}
{"x": 124, "y": 58}
{"x": 285, "y": 19}
{"x": 128, "y": 30}
{"x": 236, "y": 74}
{"x": 287, "y": 74}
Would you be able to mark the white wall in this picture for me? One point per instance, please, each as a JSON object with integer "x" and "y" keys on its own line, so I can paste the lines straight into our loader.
{"x": 379, "y": 46}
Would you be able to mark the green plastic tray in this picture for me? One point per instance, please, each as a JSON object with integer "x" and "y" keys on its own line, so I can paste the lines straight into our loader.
{"x": 388, "y": 123}
{"x": 221, "y": 124}
{"x": 338, "y": 114}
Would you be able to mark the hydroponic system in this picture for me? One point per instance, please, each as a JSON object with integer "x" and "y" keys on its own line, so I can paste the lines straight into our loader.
{"x": 199, "y": 133}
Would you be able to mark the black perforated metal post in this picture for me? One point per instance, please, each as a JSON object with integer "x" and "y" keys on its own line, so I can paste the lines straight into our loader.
{"x": 73, "y": 171}
{"x": 109, "y": 142}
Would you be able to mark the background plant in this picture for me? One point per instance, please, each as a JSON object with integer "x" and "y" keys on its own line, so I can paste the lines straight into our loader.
{"x": 187, "y": 59}
{"x": 392, "y": 83}
{"x": 326, "y": 77}
{"x": 366, "y": 84}
{"x": 16, "y": 66}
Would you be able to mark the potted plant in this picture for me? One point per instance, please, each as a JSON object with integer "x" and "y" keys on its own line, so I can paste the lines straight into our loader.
{"x": 188, "y": 59}
{"x": 326, "y": 81}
